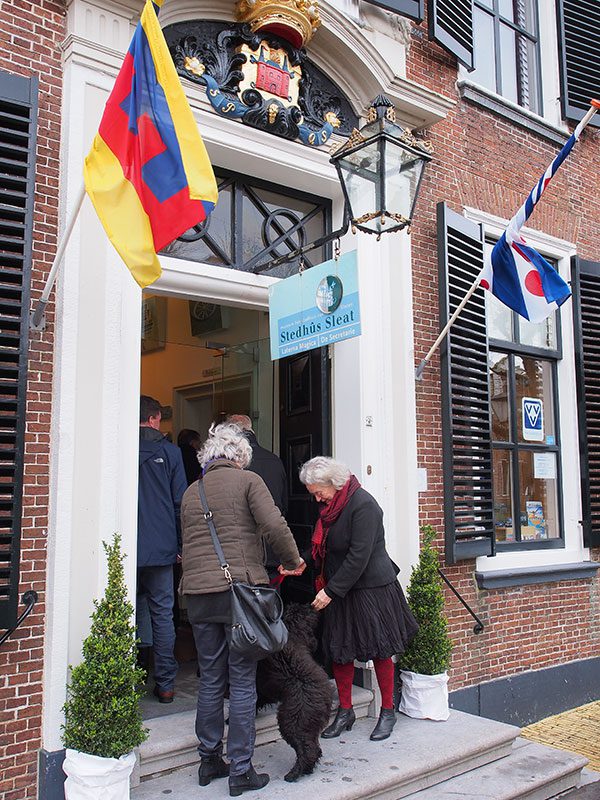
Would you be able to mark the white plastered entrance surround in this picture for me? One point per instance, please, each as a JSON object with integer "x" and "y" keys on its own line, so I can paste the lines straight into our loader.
{"x": 97, "y": 358}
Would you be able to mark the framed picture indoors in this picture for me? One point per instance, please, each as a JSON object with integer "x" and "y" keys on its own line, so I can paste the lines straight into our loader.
{"x": 154, "y": 323}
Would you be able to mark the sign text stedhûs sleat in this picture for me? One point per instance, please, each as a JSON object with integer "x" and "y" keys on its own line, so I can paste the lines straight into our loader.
{"x": 315, "y": 308}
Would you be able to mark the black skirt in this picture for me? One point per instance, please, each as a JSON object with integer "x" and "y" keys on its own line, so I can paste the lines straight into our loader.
{"x": 368, "y": 624}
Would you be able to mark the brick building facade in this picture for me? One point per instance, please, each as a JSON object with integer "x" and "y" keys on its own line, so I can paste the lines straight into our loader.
{"x": 31, "y": 74}
{"x": 539, "y": 601}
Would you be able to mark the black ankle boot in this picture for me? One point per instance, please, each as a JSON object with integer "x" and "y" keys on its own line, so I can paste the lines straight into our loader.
{"x": 344, "y": 720}
{"x": 246, "y": 782}
{"x": 212, "y": 767}
{"x": 385, "y": 725}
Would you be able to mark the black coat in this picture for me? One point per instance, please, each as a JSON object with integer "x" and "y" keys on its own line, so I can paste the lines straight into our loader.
{"x": 355, "y": 556}
{"x": 271, "y": 470}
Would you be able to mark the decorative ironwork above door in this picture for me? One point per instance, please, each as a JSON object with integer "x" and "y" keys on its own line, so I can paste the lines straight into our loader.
{"x": 255, "y": 222}
{"x": 261, "y": 80}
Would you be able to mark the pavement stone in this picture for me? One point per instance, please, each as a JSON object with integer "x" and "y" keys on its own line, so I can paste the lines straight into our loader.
{"x": 576, "y": 730}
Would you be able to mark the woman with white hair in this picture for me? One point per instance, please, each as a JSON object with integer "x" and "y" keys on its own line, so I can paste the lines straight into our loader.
{"x": 240, "y": 504}
{"x": 366, "y": 616}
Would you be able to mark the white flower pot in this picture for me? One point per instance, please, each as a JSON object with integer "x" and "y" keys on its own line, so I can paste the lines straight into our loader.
{"x": 95, "y": 778}
{"x": 424, "y": 696}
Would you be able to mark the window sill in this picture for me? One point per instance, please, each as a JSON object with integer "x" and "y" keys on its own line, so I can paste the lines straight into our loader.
{"x": 511, "y": 112}
{"x": 550, "y": 573}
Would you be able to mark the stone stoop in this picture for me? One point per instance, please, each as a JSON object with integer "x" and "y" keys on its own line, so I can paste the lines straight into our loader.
{"x": 419, "y": 754}
{"x": 531, "y": 772}
{"x": 172, "y": 741}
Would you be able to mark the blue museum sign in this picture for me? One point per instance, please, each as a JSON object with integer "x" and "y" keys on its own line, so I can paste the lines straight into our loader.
{"x": 316, "y": 307}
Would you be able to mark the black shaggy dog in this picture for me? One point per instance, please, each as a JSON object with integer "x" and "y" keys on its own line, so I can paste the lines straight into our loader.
{"x": 293, "y": 679}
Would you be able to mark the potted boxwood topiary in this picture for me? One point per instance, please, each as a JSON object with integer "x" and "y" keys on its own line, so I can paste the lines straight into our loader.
{"x": 423, "y": 666}
{"x": 103, "y": 721}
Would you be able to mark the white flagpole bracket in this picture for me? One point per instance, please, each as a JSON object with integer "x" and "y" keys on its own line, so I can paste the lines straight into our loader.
{"x": 37, "y": 318}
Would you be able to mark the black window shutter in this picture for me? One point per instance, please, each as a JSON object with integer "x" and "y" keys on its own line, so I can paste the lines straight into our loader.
{"x": 466, "y": 422}
{"x": 586, "y": 317}
{"x": 18, "y": 119}
{"x": 579, "y": 37}
{"x": 451, "y": 26}
{"x": 405, "y": 8}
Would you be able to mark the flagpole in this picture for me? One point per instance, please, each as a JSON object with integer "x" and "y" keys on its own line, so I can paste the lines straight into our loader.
{"x": 36, "y": 319}
{"x": 473, "y": 288}
{"x": 594, "y": 107}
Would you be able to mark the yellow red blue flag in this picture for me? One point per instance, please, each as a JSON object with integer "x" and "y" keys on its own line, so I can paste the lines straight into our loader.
{"x": 148, "y": 173}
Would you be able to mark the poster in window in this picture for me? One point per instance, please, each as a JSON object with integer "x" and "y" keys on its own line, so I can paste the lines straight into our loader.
{"x": 536, "y": 522}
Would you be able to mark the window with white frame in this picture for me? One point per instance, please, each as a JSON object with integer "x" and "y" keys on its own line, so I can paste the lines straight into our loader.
{"x": 523, "y": 384}
{"x": 507, "y": 50}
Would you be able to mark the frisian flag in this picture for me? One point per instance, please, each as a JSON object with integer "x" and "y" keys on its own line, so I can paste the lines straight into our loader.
{"x": 517, "y": 274}
{"x": 148, "y": 173}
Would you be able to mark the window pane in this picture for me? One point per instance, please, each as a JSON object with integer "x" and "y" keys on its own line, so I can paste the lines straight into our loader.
{"x": 506, "y": 9}
{"x": 538, "y": 334}
{"x": 508, "y": 59}
{"x": 525, "y": 15}
{"x": 538, "y": 502}
{"x": 499, "y": 366}
{"x": 533, "y": 379}
{"x": 498, "y": 319}
{"x": 529, "y": 50}
{"x": 483, "y": 37}
{"x": 503, "y": 522}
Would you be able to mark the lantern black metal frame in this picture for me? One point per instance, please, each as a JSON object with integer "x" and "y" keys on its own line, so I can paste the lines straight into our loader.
{"x": 380, "y": 116}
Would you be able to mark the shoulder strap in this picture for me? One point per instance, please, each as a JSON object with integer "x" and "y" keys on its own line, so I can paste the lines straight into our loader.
{"x": 208, "y": 516}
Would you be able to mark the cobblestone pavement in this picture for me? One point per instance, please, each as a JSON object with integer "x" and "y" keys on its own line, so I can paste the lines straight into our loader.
{"x": 578, "y": 731}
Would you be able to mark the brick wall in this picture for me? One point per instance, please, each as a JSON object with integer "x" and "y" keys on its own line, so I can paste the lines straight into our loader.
{"x": 484, "y": 162}
{"x": 30, "y": 38}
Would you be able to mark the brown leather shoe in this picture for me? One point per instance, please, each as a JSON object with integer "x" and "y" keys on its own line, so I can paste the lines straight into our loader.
{"x": 164, "y": 695}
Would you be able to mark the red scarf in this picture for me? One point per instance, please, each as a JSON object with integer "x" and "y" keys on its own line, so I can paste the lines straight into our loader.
{"x": 328, "y": 514}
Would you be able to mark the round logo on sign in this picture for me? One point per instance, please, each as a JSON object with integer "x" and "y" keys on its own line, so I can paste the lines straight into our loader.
{"x": 329, "y": 294}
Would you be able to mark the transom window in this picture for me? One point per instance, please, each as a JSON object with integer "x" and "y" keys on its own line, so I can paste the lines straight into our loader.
{"x": 523, "y": 359}
{"x": 255, "y": 222}
{"x": 507, "y": 57}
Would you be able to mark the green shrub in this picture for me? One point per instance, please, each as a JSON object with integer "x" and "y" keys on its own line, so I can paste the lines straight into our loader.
{"x": 429, "y": 651}
{"x": 102, "y": 713}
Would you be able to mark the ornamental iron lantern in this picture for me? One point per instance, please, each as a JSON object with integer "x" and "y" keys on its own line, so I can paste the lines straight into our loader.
{"x": 380, "y": 168}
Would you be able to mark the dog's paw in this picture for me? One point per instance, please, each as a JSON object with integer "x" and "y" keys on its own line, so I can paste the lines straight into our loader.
{"x": 293, "y": 775}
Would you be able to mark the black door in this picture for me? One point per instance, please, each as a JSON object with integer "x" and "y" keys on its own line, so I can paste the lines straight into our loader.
{"x": 304, "y": 419}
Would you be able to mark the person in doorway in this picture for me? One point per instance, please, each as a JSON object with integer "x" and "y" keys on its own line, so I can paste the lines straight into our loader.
{"x": 366, "y": 616}
{"x": 189, "y": 442}
{"x": 270, "y": 468}
{"x": 241, "y": 505}
{"x": 264, "y": 463}
{"x": 160, "y": 490}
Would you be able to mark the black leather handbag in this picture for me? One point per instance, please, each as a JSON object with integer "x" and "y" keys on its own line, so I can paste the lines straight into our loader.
{"x": 257, "y": 627}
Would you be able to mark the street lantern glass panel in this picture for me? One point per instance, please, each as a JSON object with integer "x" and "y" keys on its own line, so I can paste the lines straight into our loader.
{"x": 360, "y": 175}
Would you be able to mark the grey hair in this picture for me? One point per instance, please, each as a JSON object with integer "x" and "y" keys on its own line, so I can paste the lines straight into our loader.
{"x": 226, "y": 441}
{"x": 324, "y": 470}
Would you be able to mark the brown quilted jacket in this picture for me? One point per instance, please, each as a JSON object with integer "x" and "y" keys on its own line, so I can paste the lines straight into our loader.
{"x": 241, "y": 505}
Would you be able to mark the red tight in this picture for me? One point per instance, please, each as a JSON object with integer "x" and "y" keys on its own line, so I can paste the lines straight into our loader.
{"x": 384, "y": 669}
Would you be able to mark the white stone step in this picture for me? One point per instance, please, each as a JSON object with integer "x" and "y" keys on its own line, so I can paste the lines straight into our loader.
{"x": 531, "y": 772}
{"x": 418, "y": 754}
{"x": 172, "y": 741}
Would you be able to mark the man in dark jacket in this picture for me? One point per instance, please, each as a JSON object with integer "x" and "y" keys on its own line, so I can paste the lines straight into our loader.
{"x": 162, "y": 483}
{"x": 271, "y": 470}
{"x": 264, "y": 463}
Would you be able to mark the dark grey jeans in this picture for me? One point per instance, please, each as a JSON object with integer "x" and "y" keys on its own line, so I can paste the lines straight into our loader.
{"x": 219, "y": 667}
{"x": 157, "y": 584}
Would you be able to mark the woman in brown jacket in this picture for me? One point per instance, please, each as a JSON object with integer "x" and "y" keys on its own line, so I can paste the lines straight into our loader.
{"x": 241, "y": 506}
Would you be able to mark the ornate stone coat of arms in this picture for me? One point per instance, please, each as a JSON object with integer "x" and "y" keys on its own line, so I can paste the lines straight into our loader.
{"x": 260, "y": 79}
